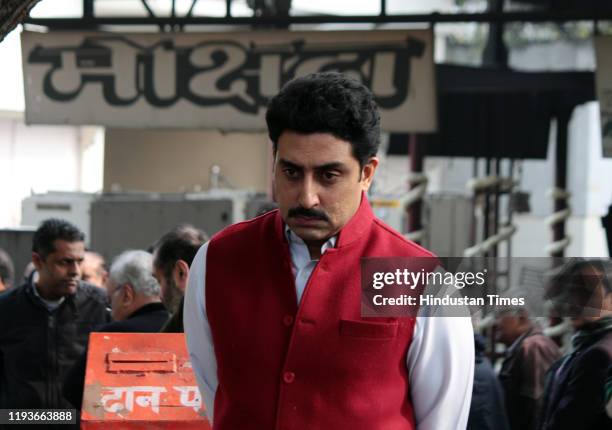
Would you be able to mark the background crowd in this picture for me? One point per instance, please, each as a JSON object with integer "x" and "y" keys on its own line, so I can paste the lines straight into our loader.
{"x": 67, "y": 291}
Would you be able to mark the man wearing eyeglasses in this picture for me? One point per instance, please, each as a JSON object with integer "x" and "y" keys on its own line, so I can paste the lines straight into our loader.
{"x": 134, "y": 295}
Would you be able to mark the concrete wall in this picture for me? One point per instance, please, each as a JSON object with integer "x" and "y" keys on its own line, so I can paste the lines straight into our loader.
{"x": 44, "y": 158}
{"x": 181, "y": 161}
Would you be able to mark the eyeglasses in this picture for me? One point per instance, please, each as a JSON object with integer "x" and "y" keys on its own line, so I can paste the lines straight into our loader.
{"x": 119, "y": 288}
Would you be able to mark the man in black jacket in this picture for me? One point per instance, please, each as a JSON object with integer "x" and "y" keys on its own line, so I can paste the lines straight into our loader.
{"x": 134, "y": 295}
{"x": 44, "y": 325}
{"x": 576, "y": 385}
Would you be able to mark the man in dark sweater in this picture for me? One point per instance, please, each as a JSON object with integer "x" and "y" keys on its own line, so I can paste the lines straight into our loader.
{"x": 44, "y": 325}
{"x": 134, "y": 295}
{"x": 576, "y": 384}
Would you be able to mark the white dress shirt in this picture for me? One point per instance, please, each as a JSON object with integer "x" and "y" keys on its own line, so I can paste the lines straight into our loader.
{"x": 440, "y": 359}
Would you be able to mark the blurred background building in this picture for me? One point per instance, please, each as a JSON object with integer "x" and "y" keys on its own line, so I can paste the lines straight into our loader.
{"x": 77, "y": 171}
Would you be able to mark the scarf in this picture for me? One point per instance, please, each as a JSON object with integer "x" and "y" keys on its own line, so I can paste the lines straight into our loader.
{"x": 591, "y": 333}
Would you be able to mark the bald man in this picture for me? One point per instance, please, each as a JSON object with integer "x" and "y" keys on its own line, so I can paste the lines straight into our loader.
{"x": 93, "y": 269}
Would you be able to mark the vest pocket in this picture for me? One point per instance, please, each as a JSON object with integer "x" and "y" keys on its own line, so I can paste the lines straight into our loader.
{"x": 372, "y": 330}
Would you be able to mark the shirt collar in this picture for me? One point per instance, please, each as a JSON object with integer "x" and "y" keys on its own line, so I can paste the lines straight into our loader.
{"x": 299, "y": 250}
{"x": 49, "y": 304}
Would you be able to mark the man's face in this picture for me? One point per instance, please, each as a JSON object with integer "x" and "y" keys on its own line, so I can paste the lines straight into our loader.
{"x": 589, "y": 298}
{"x": 318, "y": 183}
{"x": 117, "y": 299}
{"x": 508, "y": 328}
{"x": 60, "y": 271}
{"x": 171, "y": 294}
{"x": 93, "y": 271}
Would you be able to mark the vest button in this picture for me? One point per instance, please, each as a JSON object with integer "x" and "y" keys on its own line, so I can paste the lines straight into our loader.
{"x": 289, "y": 377}
{"x": 287, "y": 320}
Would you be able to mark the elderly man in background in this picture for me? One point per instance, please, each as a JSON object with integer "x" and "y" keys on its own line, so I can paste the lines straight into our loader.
{"x": 134, "y": 295}
{"x": 174, "y": 253}
{"x": 136, "y": 307}
{"x": 529, "y": 355}
{"x": 93, "y": 269}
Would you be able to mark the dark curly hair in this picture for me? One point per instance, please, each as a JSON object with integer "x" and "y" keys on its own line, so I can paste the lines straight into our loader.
{"x": 51, "y": 230}
{"x": 327, "y": 103}
{"x": 572, "y": 275}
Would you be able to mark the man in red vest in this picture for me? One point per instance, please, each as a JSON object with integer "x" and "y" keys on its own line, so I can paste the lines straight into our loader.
{"x": 273, "y": 305}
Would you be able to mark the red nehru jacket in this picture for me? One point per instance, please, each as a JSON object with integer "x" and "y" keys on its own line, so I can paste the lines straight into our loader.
{"x": 316, "y": 366}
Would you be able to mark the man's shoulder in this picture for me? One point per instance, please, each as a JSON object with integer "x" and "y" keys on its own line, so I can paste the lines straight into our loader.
{"x": 602, "y": 349}
{"x": 14, "y": 304}
{"x": 245, "y": 229}
{"x": 396, "y": 240}
{"x": 9, "y": 297}
{"x": 147, "y": 323}
{"x": 540, "y": 347}
{"x": 538, "y": 341}
{"x": 113, "y": 327}
{"x": 89, "y": 295}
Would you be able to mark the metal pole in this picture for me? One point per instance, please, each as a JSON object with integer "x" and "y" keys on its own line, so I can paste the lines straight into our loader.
{"x": 487, "y": 205}
{"x": 549, "y": 16}
{"x": 416, "y": 167}
{"x": 88, "y": 9}
{"x": 496, "y": 199}
{"x": 474, "y": 226}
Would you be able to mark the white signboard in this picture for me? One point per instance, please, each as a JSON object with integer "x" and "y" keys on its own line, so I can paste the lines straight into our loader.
{"x": 217, "y": 80}
{"x": 603, "y": 83}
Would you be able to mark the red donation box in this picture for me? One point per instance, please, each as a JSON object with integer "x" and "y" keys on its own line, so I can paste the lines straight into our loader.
{"x": 140, "y": 381}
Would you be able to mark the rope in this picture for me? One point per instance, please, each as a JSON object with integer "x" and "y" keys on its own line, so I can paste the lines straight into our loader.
{"x": 485, "y": 246}
{"x": 556, "y": 218}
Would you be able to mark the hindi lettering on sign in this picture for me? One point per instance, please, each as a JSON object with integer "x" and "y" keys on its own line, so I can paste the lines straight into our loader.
{"x": 190, "y": 397}
{"x": 163, "y": 80}
{"x": 121, "y": 399}
{"x": 233, "y": 72}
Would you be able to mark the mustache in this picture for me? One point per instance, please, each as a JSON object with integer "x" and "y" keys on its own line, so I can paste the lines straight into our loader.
{"x": 307, "y": 213}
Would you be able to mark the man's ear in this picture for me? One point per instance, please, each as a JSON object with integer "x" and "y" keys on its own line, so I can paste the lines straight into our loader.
{"x": 37, "y": 260}
{"x": 180, "y": 273}
{"x": 129, "y": 295}
{"x": 367, "y": 173}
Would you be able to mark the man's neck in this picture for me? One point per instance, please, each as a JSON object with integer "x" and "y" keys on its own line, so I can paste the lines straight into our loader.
{"x": 45, "y": 293}
{"x": 523, "y": 333}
